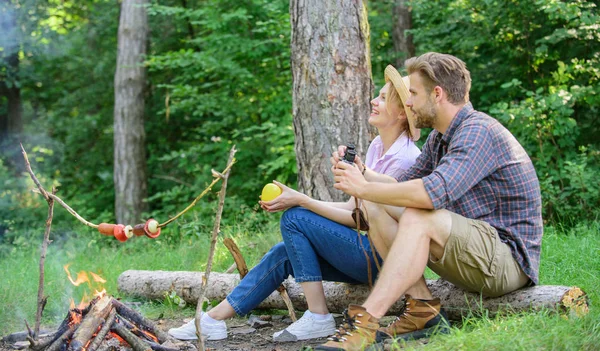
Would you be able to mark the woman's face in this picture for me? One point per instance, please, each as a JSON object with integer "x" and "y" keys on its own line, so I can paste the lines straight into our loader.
{"x": 382, "y": 114}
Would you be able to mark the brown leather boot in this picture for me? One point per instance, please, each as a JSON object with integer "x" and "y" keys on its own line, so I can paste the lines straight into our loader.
{"x": 419, "y": 319}
{"x": 358, "y": 330}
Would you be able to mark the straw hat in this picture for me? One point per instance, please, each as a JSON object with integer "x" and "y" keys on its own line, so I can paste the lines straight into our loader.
{"x": 402, "y": 84}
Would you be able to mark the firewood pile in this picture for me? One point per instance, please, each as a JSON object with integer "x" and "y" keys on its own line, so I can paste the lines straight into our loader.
{"x": 104, "y": 324}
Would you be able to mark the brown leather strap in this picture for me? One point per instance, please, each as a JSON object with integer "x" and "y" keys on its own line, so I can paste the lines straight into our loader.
{"x": 358, "y": 215}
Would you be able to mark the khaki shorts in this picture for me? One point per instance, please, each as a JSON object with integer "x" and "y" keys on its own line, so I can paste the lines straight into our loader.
{"x": 475, "y": 259}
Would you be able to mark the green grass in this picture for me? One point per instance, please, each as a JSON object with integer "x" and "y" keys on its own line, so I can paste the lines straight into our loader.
{"x": 569, "y": 257}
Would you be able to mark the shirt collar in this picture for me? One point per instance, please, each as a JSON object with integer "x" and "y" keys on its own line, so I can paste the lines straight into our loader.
{"x": 396, "y": 146}
{"x": 461, "y": 115}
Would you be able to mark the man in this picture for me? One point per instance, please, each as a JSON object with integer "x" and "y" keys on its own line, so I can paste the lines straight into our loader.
{"x": 470, "y": 209}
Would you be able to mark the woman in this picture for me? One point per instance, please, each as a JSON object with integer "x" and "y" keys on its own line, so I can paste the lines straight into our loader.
{"x": 319, "y": 240}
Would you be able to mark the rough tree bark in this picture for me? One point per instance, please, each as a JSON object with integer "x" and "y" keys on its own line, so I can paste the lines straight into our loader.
{"x": 129, "y": 135}
{"x": 403, "y": 43}
{"x": 11, "y": 121}
{"x": 457, "y": 302}
{"x": 332, "y": 87}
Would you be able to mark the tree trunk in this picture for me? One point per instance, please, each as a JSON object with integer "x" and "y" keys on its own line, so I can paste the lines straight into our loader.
{"x": 129, "y": 135}
{"x": 332, "y": 87}
{"x": 11, "y": 120}
{"x": 456, "y": 302}
{"x": 403, "y": 43}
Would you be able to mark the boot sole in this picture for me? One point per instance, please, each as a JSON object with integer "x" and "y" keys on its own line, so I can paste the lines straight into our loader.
{"x": 417, "y": 334}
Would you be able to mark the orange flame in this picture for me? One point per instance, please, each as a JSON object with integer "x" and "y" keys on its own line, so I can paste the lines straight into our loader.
{"x": 116, "y": 336}
{"x": 82, "y": 277}
{"x": 74, "y": 318}
{"x": 98, "y": 278}
{"x": 148, "y": 334}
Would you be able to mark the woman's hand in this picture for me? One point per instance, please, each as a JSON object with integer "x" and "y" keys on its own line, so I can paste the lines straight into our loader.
{"x": 288, "y": 198}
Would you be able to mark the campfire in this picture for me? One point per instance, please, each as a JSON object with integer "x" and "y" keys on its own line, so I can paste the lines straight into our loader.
{"x": 106, "y": 320}
{"x": 104, "y": 324}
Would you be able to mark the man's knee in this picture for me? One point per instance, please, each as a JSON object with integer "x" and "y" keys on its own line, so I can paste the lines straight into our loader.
{"x": 414, "y": 217}
{"x": 372, "y": 209}
{"x": 435, "y": 224}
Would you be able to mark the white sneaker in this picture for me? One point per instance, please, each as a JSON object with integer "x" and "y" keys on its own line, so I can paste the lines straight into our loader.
{"x": 212, "y": 331}
{"x": 306, "y": 327}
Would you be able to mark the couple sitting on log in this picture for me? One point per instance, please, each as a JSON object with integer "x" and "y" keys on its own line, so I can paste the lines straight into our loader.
{"x": 468, "y": 207}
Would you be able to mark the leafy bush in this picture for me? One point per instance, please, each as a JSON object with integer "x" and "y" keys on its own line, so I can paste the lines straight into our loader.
{"x": 534, "y": 66}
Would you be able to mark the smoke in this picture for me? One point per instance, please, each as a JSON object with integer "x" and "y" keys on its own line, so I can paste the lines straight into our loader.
{"x": 10, "y": 36}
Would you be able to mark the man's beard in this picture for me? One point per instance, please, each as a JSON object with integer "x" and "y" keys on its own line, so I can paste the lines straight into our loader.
{"x": 426, "y": 116}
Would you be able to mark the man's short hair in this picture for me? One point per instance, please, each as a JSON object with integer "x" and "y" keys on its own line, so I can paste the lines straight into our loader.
{"x": 446, "y": 71}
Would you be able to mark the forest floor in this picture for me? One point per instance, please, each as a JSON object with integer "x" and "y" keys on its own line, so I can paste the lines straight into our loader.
{"x": 242, "y": 336}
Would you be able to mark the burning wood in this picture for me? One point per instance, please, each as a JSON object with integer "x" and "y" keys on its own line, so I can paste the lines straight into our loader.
{"x": 102, "y": 322}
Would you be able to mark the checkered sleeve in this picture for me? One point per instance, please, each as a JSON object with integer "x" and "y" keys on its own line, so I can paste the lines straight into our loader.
{"x": 470, "y": 157}
{"x": 423, "y": 165}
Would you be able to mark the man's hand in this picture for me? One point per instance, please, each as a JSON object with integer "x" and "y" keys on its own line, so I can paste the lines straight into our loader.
{"x": 348, "y": 179}
{"x": 338, "y": 155}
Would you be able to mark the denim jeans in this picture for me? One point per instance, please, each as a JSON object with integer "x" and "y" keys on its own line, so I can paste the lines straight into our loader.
{"x": 314, "y": 248}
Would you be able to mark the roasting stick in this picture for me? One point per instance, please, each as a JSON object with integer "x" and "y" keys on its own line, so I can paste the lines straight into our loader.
{"x": 121, "y": 232}
{"x": 218, "y": 176}
{"x": 68, "y": 208}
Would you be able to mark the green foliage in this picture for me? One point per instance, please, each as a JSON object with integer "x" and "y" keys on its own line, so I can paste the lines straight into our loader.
{"x": 534, "y": 66}
{"x": 172, "y": 300}
{"x": 228, "y": 84}
{"x": 219, "y": 74}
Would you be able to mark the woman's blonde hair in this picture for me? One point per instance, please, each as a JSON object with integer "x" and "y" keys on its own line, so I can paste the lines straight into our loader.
{"x": 393, "y": 97}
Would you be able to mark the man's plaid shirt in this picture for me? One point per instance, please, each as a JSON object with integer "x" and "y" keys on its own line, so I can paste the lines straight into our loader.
{"x": 478, "y": 170}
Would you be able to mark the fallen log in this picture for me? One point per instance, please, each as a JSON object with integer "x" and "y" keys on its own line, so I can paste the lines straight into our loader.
{"x": 457, "y": 302}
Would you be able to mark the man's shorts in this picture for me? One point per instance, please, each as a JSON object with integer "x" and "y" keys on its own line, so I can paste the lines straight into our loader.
{"x": 475, "y": 259}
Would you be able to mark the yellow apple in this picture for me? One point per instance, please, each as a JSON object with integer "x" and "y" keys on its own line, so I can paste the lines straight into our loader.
{"x": 270, "y": 191}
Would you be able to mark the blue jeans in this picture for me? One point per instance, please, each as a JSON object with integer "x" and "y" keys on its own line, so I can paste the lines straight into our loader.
{"x": 314, "y": 248}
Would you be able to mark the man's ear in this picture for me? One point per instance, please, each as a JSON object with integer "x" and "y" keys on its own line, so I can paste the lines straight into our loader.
{"x": 438, "y": 93}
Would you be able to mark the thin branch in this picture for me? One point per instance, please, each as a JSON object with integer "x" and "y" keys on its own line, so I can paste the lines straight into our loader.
{"x": 33, "y": 177}
{"x": 41, "y": 299}
{"x": 69, "y": 209}
{"x": 226, "y": 171}
{"x": 213, "y": 244}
